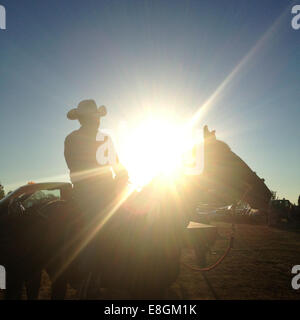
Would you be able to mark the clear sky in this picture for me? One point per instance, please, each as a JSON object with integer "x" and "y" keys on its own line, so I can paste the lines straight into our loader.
{"x": 134, "y": 54}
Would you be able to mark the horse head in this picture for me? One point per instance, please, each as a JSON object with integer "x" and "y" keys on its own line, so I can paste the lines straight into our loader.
{"x": 230, "y": 178}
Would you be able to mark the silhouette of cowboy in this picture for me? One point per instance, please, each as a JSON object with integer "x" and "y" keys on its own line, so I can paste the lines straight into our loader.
{"x": 93, "y": 184}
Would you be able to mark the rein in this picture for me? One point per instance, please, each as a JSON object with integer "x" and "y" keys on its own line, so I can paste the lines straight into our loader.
{"x": 220, "y": 260}
{"x": 230, "y": 246}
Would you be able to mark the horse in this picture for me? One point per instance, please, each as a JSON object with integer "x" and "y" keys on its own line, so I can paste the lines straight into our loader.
{"x": 135, "y": 245}
{"x": 137, "y": 239}
{"x": 138, "y": 247}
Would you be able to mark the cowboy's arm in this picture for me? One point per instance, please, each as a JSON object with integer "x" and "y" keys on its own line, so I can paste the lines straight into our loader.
{"x": 119, "y": 169}
{"x": 121, "y": 173}
{"x": 72, "y": 160}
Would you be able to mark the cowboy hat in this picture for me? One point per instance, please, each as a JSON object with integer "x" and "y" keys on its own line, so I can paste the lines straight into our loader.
{"x": 86, "y": 108}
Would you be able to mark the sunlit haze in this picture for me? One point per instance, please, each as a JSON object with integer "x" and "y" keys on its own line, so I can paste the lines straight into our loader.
{"x": 158, "y": 66}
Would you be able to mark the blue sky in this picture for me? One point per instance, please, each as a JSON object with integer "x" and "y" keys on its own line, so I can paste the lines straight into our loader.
{"x": 132, "y": 54}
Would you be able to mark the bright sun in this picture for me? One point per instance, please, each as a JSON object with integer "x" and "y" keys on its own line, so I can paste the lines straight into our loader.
{"x": 154, "y": 147}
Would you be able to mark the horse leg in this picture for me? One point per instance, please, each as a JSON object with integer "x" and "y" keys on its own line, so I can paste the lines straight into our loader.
{"x": 33, "y": 286}
{"x": 58, "y": 283}
{"x": 14, "y": 286}
{"x": 59, "y": 288}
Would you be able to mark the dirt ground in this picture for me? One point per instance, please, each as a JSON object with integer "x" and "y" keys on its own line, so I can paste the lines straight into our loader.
{"x": 259, "y": 267}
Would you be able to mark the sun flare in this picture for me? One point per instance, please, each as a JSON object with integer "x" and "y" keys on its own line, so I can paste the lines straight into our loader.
{"x": 154, "y": 147}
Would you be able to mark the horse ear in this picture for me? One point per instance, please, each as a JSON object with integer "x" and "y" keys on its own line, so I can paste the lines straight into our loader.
{"x": 206, "y": 132}
{"x": 209, "y": 134}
